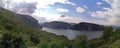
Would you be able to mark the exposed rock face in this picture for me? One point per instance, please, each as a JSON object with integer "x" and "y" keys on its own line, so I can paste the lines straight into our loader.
{"x": 31, "y": 21}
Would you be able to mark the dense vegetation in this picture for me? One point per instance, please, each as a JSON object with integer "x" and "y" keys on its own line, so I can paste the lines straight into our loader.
{"x": 14, "y": 33}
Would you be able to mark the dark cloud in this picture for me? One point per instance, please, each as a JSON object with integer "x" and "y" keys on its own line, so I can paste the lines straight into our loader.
{"x": 2, "y": 3}
{"x": 62, "y": 16}
{"x": 24, "y": 7}
{"x": 19, "y": 7}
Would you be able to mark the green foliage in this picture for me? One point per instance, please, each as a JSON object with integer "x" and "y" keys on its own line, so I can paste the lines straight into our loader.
{"x": 107, "y": 33}
{"x": 54, "y": 44}
{"x": 34, "y": 39}
{"x": 94, "y": 43}
{"x": 9, "y": 27}
{"x": 80, "y": 42}
{"x": 11, "y": 41}
{"x": 116, "y": 44}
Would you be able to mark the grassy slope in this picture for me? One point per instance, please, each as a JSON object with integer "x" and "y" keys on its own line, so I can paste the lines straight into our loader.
{"x": 11, "y": 23}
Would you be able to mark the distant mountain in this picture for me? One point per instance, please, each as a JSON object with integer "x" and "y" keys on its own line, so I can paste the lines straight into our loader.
{"x": 84, "y": 26}
{"x": 30, "y": 21}
{"x": 57, "y": 25}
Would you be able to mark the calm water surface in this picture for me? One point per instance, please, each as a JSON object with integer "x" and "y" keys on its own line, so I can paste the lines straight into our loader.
{"x": 72, "y": 33}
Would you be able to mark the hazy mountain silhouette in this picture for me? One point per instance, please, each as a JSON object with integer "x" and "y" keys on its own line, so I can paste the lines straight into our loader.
{"x": 83, "y": 26}
{"x": 30, "y": 21}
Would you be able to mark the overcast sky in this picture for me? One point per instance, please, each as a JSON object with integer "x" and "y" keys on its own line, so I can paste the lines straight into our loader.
{"x": 106, "y": 12}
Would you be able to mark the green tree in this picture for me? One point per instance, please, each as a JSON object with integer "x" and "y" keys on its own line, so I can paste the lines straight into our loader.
{"x": 116, "y": 44}
{"x": 11, "y": 41}
{"x": 107, "y": 32}
{"x": 80, "y": 42}
{"x": 9, "y": 27}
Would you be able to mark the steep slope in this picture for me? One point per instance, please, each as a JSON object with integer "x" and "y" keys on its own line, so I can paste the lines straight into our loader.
{"x": 16, "y": 33}
{"x": 14, "y": 30}
{"x": 30, "y": 21}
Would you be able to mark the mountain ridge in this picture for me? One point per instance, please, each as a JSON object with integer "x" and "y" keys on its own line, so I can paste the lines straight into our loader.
{"x": 30, "y": 21}
{"x": 83, "y": 26}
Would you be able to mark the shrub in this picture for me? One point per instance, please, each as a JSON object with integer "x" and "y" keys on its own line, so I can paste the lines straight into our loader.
{"x": 11, "y": 41}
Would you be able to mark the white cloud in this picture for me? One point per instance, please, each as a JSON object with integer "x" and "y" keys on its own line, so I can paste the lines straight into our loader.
{"x": 62, "y": 10}
{"x": 111, "y": 14}
{"x": 1, "y": 3}
{"x": 100, "y": 14}
{"x": 57, "y": 17}
{"x": 47, "y": 16}
{"x": 45, "y": 3}
{"x": 106, "y": 9}
{"x": 80, "y": 9}
{"x": 22, "y": 8}
{"x": 85, "y": 6}
{"x": 73, "y": 19}
{"x": 114, "y": 13}
{"x": 99, "y": 3}
{"x": 40, "y": 3}
{"x": 78, "y": 20}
